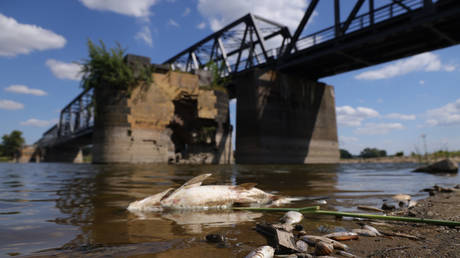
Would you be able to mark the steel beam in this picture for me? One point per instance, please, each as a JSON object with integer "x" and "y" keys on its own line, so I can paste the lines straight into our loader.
{"x": 352, "y": 15}
{"x": 303, "y": 22}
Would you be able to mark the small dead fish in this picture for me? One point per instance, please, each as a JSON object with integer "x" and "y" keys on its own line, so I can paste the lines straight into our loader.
{"x": 321, "y": 202}
{"x": 261, "y": 252}
{"x": 323, "y": 248}
{"x": 371, "y": 228}
{"x": 343, "y": 253}
{"x": 364, "y": 232}
{"x": 312, "y": 240}
{"x": 369, "y": 208}
{"x": 292, "y": 217}
{"x": 340, "y": 236}
{"x": 401, "y": 197}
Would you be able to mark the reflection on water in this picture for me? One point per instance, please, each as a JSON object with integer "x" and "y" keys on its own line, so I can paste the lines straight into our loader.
{"x": 62, "y": 208}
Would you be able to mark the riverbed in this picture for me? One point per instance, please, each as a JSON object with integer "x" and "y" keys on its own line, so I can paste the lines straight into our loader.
{"x": 80, "y": 209}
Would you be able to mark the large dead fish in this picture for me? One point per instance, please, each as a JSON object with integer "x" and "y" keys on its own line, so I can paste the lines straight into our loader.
{"x": 194, "y": 196}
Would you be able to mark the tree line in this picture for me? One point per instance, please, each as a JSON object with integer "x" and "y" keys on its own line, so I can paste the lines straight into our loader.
{"x": 367, "y": 153}
{"x": 11, "y": 144}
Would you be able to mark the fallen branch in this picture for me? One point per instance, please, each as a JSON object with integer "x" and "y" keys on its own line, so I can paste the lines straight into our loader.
{"x": 316, "y": 210}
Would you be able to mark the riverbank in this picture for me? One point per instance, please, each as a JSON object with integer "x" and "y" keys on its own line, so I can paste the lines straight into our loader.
{"x": 432, "y": 241}
{"x": 405, "y": 159}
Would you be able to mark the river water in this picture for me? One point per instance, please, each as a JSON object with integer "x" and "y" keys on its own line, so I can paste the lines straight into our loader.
{"x": 80, "y": 209}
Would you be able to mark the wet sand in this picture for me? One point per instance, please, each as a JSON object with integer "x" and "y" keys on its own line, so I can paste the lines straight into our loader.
{"x": 435, "y": 241}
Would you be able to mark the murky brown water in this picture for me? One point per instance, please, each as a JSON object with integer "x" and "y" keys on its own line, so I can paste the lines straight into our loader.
{"x": 75, "y": 210}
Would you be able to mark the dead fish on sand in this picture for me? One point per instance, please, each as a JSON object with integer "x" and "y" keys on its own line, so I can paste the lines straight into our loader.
{"x": 261, "y": 252}
{"x": 194, "y": 196}
{"x": 340, "y": 236}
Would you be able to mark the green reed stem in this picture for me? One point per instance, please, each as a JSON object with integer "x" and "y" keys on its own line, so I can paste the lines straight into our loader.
{"x": 316, "y": 210}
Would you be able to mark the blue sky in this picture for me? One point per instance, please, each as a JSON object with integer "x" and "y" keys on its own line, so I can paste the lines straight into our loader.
{"x": 389, "y": 106}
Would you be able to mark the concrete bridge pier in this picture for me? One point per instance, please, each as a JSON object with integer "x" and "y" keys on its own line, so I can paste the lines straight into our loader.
{"x": 284, "y": 118}
{"x": 68, "y": 154}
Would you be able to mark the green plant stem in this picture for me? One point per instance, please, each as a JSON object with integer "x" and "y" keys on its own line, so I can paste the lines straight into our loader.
{"x": 316, "y": 210}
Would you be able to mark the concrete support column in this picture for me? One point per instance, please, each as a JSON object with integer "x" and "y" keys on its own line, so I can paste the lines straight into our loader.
{"x": 68, "y": 154}
{"x": 284, "y": 118}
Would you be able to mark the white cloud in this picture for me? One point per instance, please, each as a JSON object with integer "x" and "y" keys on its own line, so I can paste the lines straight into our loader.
{"x": 400, "y": 116}
{"x": 10, "y": 105}
{"x": 23, "y": 89}
{"x": 186, "y": 11}
{"x": 201, "y": 25}
{"x": 346, "y": 139}
{"x": 446, "y": 115}
{"x": 38, "y": 123}
{"x": 136, "y": 8}
{"x": 427, "y": 62}
{"x": 381, "y": 128}
{"x": 145, "y": 35}
{"x": 63, "y": 70}
{"x": 17, "y": 38}
{"x": 173, "y": 23}
{"x": 219, "y": 13}
{"x": 421, "y": 82}
{"x": 349, "y": 116}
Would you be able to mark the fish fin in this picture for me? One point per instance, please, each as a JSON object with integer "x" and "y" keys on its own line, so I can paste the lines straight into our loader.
{"x": 194, "y": 182}
{"x": 246, "y": 186}
{"x": 168, "y": 192}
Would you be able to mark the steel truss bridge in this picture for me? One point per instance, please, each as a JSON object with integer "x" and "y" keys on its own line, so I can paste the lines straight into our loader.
{"x": 368, "y": 35}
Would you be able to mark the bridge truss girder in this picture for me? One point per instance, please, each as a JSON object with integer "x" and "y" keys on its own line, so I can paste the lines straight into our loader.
{"x": 78, "y": 115}
{"x": 240, "y": 45}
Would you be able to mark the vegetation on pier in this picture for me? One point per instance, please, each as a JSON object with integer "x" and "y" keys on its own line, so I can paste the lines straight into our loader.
{"x": 108, "y": 68}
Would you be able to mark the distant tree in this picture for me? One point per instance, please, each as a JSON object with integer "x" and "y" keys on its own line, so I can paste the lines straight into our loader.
{"x": 372, "y": 153}
{"x": 11, "y": 144}
{"x": 344, "y": 154}
{"x": 399, "y": 154}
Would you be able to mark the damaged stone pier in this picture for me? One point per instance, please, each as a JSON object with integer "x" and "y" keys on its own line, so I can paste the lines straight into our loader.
{"x": 177, "y": 119}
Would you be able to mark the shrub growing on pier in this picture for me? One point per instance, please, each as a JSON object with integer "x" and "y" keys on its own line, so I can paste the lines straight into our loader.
{"x": 107, "y": 68}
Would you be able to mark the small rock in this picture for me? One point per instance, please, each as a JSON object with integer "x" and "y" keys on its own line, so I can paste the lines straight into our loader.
{"x": 215, "y": 238}
{"x": 443, "y": 166}
{"x": 323, "y": 248}
{"x": 386, "y": 206}
{"x": 298, "y": 227}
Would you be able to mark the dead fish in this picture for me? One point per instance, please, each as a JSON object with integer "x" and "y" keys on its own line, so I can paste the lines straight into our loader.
{"x": 292, "y": 217}
{"x": 412, "y": 203}
{"x": 371, "y": 228}
{"x": 345, "y": 254}
{"x": 323, "y": 248}
{"x": 369, "y": 208}
{"x": 340, "y": 236}
{"x": 401, "y": 197}
{"x": 364, "y": 232}
{"x": 261, "y": 252}
{"x": 194, "y": 196}
{"x": 312, "y": 240}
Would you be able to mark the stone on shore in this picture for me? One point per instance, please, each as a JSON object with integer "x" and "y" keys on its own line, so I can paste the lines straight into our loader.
{"x": 443, "y": 166}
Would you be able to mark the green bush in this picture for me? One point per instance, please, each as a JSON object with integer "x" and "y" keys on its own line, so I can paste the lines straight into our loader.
{"x": 372, "y": 153}
{"x": 107, "y": 68}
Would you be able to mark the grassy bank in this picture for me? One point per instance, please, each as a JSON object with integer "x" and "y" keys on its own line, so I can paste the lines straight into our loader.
{"x": 5, "y": 159}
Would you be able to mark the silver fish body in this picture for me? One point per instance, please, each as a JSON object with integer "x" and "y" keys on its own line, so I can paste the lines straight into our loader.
{"x": 194, "y": 196}
{"x": 292, "y": 217}
{"x": 261, "y": 252}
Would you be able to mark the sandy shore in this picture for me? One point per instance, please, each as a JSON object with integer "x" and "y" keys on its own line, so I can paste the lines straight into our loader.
{"x": 434, "y": 241}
